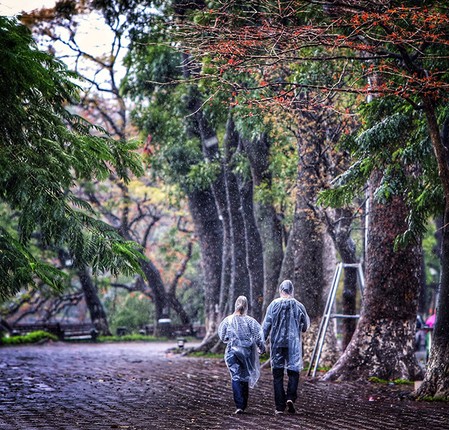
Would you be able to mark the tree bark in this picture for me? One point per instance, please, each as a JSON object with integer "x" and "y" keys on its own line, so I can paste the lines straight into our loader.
{"x": 383, "y": 343}
{"x": 288, "y": 262}
{"x": 211, "y": 152}
{"x": 93, "y": 302}
{"x": 209, "y": 231}
{"x": 240, "y": 275}
{"x": 308, "y": 227}
{"x": 157, "y": 288}
{"x": 268, "y": 224}
{"x": 254, "y": 249}
{"x": 308, "y": 233}
{"x": 436, "y": 381}
{"x": 340, "y": 231}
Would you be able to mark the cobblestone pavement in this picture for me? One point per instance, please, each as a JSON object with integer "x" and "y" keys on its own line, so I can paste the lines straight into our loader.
{"x": 139, "y": 386}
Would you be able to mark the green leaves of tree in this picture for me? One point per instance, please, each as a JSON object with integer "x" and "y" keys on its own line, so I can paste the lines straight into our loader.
{"x": 44, "y": 151}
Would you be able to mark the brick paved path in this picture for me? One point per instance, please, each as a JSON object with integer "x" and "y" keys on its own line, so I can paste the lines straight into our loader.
{"x": 137, "y": 386}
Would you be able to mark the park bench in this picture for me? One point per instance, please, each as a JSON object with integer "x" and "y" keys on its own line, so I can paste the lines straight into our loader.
{"x": 26, "y": 328}
{"x": 174, "y": 330}
{"x": 182, "y": 330}
{"x": 82, "y": 331}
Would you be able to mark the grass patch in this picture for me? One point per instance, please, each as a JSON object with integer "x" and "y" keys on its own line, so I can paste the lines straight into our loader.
{"x": 131, "y": 338}
{"x": 202, "y": 354}
{"x": 34, "y": 337}
{"x": 377, "y": 380}
{"x": 434, "y": 399}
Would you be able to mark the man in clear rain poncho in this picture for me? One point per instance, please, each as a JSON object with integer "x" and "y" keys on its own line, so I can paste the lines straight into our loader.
{"x": 243, "y": 335}
{"x": 285, "y": 320}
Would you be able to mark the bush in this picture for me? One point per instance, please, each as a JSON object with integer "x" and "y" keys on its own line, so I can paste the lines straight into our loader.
{"x": 129, "y": 338}
{"x": 34, "y": 337}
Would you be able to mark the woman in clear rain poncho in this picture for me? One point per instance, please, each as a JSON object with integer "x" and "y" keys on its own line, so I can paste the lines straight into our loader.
{"x": 243, "y": 335}
{"x": 285, "y": 320}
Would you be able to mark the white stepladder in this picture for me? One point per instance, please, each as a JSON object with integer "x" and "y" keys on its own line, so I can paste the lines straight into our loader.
{"x": 327, "y": 314}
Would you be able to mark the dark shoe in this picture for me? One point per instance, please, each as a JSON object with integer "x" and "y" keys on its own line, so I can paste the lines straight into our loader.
{"x": 238, "y": 411}
{"x": 290, "y": 407}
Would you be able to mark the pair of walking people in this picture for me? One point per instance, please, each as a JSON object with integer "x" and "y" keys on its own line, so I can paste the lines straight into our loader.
{"x": 285, "y": 321}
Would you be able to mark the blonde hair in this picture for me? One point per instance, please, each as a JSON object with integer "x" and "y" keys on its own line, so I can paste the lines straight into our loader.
{"x": 241, "y": 305}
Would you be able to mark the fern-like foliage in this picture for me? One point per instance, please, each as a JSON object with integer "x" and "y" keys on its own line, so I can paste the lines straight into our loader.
{"x": 396, "y": 143}
{"x": 44, "y": 151}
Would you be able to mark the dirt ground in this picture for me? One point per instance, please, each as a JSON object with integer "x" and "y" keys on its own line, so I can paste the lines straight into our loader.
{"x": 139, "y": 386}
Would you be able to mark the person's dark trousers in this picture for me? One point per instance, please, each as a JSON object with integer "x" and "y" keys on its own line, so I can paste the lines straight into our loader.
{"x": 241, "y": 391}
{"x": 280, "y": 396}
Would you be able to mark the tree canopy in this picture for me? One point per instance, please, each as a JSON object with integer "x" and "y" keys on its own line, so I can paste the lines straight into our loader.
{"x": 44, "y": 151}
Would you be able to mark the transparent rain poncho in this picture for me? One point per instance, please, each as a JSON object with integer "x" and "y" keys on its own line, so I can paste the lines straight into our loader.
{"x": 243, "y": 335}
{"x": 285, "y": 320}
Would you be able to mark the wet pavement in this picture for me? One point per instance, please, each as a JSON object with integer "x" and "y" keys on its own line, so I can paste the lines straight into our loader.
{"x": 139, "y": 386}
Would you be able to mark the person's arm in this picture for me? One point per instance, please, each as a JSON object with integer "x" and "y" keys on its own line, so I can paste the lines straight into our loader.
{"x": 305, "y": 320}
{"x": 267, "y": 323}
{"x": 257, "y": 335}
{"x": 223, "y": 331}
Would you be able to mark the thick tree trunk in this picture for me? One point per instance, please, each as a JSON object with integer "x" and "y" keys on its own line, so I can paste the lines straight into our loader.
{"x": 288, "y": 262}
{"x": 340, "y": 232}
{"x": 157, "y": 288}
{"x": 309, "y": 229}
{"x": 93, "y": 302}
{"x": 176, "y": 305}
{"x": 436, "y": 381}
{"x": 211, "y": 152}
{"x": 268, "y": 224}
{"x": 254, "y": 249}
{"x": 308, "y": 236}
{"x": 209, "y": 210}
{"x": 382, "y": 345}
{"x": 209, "y": 230}
{"x": 240, "y": 275}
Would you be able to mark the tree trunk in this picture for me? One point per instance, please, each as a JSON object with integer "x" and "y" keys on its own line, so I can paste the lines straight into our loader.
{"x": 258, "y": 152}
{"x": 157, "y": 288}
{"x": 383, "y": 343}
{"x": 240, "y": 275}
{"x": 213, "y": 214}
{"x": 308, "y": 228}
{"x": 219, "y": 188}
{"x": 436, "y": 381}
{"x": 340, "y": 231}
{"x": 176, "y": 305}
{"x": 254, "y": 250}
{"x": 93, "y": 302}
{"x": 209, "y": 231}
{"x": 308, "y": 235}
{"x": 288, "y": 262}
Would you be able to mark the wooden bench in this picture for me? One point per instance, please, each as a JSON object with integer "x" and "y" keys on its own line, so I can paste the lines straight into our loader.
{"x": 178, "y": 330}
{"x": 182, "y": 330}
{"x": 24, "y": 329}
{"x": 83, "y": 331}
